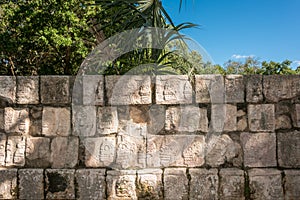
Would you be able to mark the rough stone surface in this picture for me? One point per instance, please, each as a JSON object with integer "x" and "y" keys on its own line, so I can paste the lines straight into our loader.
{"x": 93, "y": 87}
{"x": 31, "y": 184}
{"x": 2, "y": 119}
{"x": 259, "y": 149}
{"x": 107, "y": 120}
{"x": 157, "y": 117}
{"x": 175, "y": 184}
{"x": 38, "y": 152}
{"x": 55, "y": 90}
{"x": 230, "y": 123}
{"x": 223, "y": 117}
{"x": 16, "y": 120}
{"x": 209, "y": 89}
{"x": 173, "y": 90}
{"x": 296, "y": 115}
{"x": 234, "y": 89}
{"x": 121, "y": 185}
{"x": 8, "y": 183}
{"x": 231, "y": 184}
{"x": 2, "y": 149}
{"x": 127, "y": 90}
{"x": 27, "y": 90}
{"x": 91, "y": 184}
{"x": 56, "y": 121}
{"x": 254, "y": 89}
{"x": 15, "y": 151}
{"x": 265, "y": 184}
{"x": 289, "y": 149}
{"x": 60, "y": 184}
{"x": 35, "y": 115}
{"x": 242, "y": 124}
{"x": 261, "y": 117}
{"x": 283, "y": 122}
{"x": 149, "y": 184}
{"x": 7, "y": 89}
{"x": 64, "y": 152}
{"x": 84, "y": 121}
{"x": 204, "y": 184}
{"x": 278, "y": 88}
{"x": 291, "y": 184}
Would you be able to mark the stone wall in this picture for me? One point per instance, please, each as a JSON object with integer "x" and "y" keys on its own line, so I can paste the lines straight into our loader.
{"x": 142, "y": 137}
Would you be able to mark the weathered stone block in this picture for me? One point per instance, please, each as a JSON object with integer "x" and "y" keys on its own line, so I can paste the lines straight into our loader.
{"x": 64, "y": 152}
{"x": 289, "y": 149}
{"x": 31, "y": 183}
{"x": 27, "y": 90}
{"x": 125, "y": 90}
{"x": 210, "y": 89}
{"x": 35, "y": 115}
{"x": 261, "y": 117}
{"x": 277, "y": 88}
{"x": 175, "y": 184}
{"x": 167, "y": 151}
{"x": 231, "y": 184}
{"x": 2, "y": 149}
{"x": 16, "y": 120}
{"x": 7, "y": 89}
{"x": 283, "y": 122}
{"x": 157, "y": 117}
{"x": 2, "y": 121}
{"x": 38, "y": 152}
{"x": 254, "y": 89}
{"x": 265, "y": 184}
{"x": 259, "y": 149}
{"x": 55, "y": 89}
{"x": 204, "y": 184}
{"x": 121, "y": 185}
{"x": 84, "y": 120}
{"x": 8, "y": 184}
{"x": 56, "y": 121}
{"x": 242, "y": 123}
{"x": 149, "y": 184}
{"x": 139, "y": 114}
{"x": 173, "y": 90}
{"x": 221, "y": 149}
{"x": 100, "y": 152}
{"x": 93, "y": 87}
{"x": 296, "y": 115}
{"x": 230, "y": 118}
{"x": 15, "y": 151}
{"x": 291, "y": 184}
{"x": 107, "y": 120}
{"x": 234, "y": 89}
{"x": 223, "y": 117}
{"x": 91, "y": 184}
{"x": 60, "y": 184}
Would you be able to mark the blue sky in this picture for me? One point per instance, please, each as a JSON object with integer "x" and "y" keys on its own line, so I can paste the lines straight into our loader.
{"x": 233, "y": 29}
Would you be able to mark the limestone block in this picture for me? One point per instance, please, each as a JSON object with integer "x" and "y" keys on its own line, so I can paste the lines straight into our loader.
{"x": 64, "y": 152}
{"x": 204, "y": 184}
{"x": 60, "y": 184}
{"x": 7, "y": 89}
{"x": 231, "y": 184}
{"x": 84, "y": 120}
{"x": 261, "y": 117}
{"x": 230, "y": 123}
{"x": 36, "y": 122}
{"x": 259, "y": 149}
{"x": 242, "y": 124}
{"x": 149, "y": 184}
{"x": 222, "y": 149}
{"x": 218, "y": 118}
{"x": 27, "y": 90}
{"x": 8, "y": 183}
{"x": 283, "y": 122}
{"x": 167, "y": 151}
{"x": 107, "y": 120}
{"x": 175, "y": 184}
{"x": 121, "y": 185}
{"x": 16, "y": 120}
{"x": 296, "y": 115}
{"x": 127, "y": 90}
{"x": 234, "y": 89}
{"x": 56, "y": 121}
{"x": 209, "y": 89}
{"x": 93, "y": 87}
{"x": 2, "y": 121}
{"x": 254, "y": 90}
{"x": 157, "y": 116}
{"x": 31, "y": 183}
{"x": 55, "y": 90}
{"x": 77, "y": 89}
{"x": 38, "y": 152}
{"x": 91, "y": 184}
{"x": 15, "y": 151}
{"x": 3, "y": 140}
{"x": 289, "y": 149}
{"x": 265, "y": 184}
{"x": 278, "y": 88}
{"x": 139, "y": 114}
{"x": 291, "y": 184}
{"x": 173, "y": 90}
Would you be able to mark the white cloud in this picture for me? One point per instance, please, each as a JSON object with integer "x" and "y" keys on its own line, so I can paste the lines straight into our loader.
{"x": 237, "y": 56}
{"x": 296, "y": 62}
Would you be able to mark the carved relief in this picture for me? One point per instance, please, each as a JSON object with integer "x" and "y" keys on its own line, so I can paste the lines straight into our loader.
{"x": 93, "y": 86}
{"x": 261, "y": 117}
{"x": 56, "y": 121}
{"x": 2, "y": 149}
{"x": 107, "y": 120}
{"x": 234, "y": 89}
{"x": 126, "y": 152}
{"x": 55, "y": 89}
{"x": 27, "y": 90}
{"x": 7, "y": 89}
{"x": 232, "y": 184}
{"x": 15, "y": 151}
{"x": 84, "y": 121}
{"x": 16, "y": 120}
{"x": 193, "y": 154}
